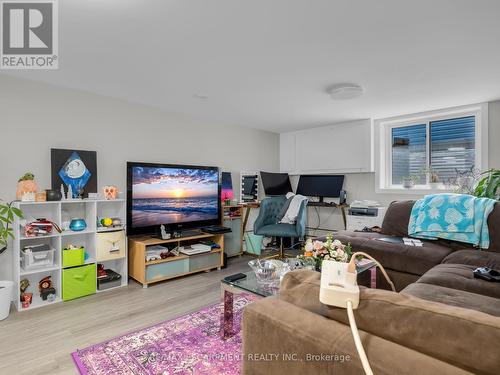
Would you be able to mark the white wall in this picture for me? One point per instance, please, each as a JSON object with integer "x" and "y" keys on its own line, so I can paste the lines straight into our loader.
{"x": 494, "y": 134}
{"x": 37, "y": 117}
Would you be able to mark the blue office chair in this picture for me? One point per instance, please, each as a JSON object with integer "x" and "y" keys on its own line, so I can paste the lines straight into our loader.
{"x": 267, "y": 221}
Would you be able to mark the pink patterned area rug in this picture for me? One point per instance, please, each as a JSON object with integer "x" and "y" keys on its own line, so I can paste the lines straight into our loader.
{"x": 191, "y": 344}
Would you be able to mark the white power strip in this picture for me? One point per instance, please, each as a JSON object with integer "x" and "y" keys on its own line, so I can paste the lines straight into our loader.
{"x": 339, "y": 288}
{"x": 338, "y": 285}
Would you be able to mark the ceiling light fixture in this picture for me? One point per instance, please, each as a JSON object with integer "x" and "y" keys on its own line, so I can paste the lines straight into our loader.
{"x": 345, "y": 91}
{"x": 200, "y": 96}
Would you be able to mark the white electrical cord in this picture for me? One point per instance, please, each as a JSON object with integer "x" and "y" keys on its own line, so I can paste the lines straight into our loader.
{"x": 357, "y": 340}
{"x": 350, "y": 312}
{"x": 352, "y": 267}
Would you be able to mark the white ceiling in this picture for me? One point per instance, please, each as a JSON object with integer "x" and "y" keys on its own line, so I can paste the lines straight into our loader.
{"x": 267, "y": 63}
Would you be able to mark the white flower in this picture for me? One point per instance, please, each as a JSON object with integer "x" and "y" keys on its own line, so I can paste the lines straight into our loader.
{"x": 337, "y": 243}
{"x": 309, "y": 246}
{"x": 327, "y": 257}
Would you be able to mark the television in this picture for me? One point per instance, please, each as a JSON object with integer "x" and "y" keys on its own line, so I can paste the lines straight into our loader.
{"x": 322, "y": 186}
{"x": 176, "y": 196}
{"x": 276, "y": 183}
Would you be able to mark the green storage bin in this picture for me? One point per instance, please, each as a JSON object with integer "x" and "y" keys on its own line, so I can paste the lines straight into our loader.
{"x": 73, "y": 257}
{"x": 78, "y": 282}
{"x": 253, "y": 243}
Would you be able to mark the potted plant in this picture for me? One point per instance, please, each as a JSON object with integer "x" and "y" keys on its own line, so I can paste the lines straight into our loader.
{"x": 488, "y": 186}
{"x": 7, "y": 215}
{"x": 26, "y": 185}
{"x": 410, "y": 181}
{"x": 433, "y": 177}
{"x": 465, "y": 181}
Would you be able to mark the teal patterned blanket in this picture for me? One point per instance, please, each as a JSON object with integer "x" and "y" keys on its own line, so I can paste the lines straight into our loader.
{"x": 457, "y": 217}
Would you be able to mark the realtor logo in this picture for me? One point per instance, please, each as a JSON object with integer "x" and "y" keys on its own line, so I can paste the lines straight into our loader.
{"x": 29, "y": 34}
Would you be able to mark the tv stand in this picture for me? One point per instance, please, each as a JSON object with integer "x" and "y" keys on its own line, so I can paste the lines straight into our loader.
{"x": 163, "y": 269}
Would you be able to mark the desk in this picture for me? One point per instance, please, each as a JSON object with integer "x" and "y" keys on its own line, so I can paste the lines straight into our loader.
{"x": 333, "y": 205}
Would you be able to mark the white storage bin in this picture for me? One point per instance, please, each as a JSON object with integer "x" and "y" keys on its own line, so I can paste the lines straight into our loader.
{"x": 32, "y": 258}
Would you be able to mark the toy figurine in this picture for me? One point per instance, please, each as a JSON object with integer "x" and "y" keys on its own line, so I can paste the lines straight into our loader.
{"x": 23, "y": 286}
{"x": 46, "y": 289}
{"x": 101, "y": 272}
{"x": 63, "y": 193}
{"x": 110, "y": 192}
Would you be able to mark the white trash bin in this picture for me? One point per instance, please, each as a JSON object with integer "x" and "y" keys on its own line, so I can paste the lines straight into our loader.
{"x": 6, "y": 292}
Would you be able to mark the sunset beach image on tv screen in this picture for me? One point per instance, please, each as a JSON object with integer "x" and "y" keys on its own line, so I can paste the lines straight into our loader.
{"x": 173, "y": 195}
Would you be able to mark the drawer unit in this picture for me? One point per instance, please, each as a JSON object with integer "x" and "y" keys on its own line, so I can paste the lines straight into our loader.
{"x": 199, "y": 262}
{"x": 78, "y": 281}
{"x": 232, "y": 240}
{"x": 73, "y": 257}
{"x": 167, "y": 269}
{"x": 111, "y": 245}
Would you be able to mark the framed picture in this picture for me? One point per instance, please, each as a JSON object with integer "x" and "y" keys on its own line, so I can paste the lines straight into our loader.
{"x": 227, "y": 186}
{"x": 75, "y": 168}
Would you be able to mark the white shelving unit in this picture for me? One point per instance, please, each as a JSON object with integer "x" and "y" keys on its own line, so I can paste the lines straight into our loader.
{"x": 58, "y": 212}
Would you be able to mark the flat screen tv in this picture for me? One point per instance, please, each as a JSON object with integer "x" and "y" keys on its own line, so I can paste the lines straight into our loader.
{"x": 322, "y": 186}
{"x": 176, "y": 196}
{"x": 276, "y": 183}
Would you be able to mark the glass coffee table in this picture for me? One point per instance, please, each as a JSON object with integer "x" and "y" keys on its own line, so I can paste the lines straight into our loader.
{"x": 367, "y": 276}
{"x": 248, "y": 284}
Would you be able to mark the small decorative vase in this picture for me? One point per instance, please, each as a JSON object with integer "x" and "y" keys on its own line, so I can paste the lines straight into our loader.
{"x": 53, "y": 195}
{"x": 77, "y": 225}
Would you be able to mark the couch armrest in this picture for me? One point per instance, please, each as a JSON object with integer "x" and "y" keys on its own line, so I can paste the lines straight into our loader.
{"x": 281, "y": 338}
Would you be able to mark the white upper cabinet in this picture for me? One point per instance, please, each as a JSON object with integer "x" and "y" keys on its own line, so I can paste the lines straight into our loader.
{"x": 341, "y": 148}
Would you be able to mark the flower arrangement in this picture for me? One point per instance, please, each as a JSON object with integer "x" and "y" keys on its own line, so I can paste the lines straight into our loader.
{"x": 329, "y": 249}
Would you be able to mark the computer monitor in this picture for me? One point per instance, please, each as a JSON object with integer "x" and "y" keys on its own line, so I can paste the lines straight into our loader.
{"x": 276, "y": 183}
{"x": 322, "y": 186}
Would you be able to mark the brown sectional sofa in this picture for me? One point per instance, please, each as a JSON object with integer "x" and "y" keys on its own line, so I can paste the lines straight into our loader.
{"x": 443, "y": 321}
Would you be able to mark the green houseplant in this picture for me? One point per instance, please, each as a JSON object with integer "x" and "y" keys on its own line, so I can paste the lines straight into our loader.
{"x": 7, "y": 215}
{"x": 488, "y": 185}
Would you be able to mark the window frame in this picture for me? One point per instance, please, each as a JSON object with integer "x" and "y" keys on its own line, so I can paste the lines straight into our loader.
{"x": 383, "y": 142}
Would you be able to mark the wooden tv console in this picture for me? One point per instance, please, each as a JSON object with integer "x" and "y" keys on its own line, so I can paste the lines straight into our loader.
{"x": 168, "y": 268}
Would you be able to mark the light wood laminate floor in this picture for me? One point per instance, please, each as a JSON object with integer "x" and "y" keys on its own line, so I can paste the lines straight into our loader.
{"x": 40, "y": 341}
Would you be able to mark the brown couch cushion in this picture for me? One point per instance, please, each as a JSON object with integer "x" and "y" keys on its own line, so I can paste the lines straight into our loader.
{"x": 397, "y": 217}
{"x": 279, "y": 337}
{"x": 397, "y": 257}
{"x": 454, "y": 297}
{"x": 460, "y": 277}
{"x": 452, "y": 334}
{"x": 478, "y": 258}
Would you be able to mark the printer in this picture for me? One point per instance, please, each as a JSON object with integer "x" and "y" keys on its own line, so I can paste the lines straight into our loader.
{"x": 364, "y": 214}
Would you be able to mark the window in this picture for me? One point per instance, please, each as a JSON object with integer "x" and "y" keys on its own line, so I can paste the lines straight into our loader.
{"x": 408, "y": 152}
{"x": 441, "y": 142}
{"x": 452, "y": 146}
